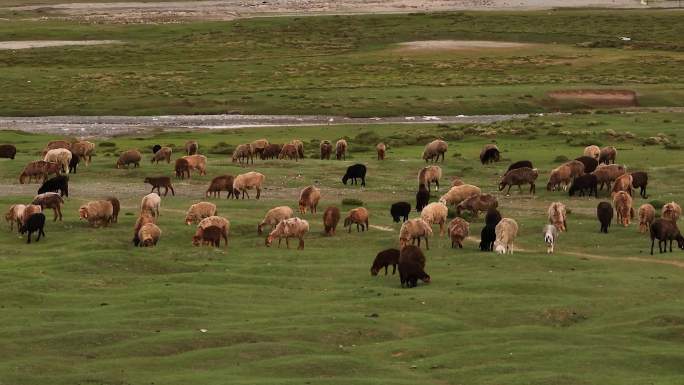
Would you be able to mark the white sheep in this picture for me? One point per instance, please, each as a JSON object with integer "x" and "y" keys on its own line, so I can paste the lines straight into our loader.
{"x": 435, "y": 213}
{"x": 150, "y": 203}
{"x": 275, "y": 216}
{"x": 458, "y": 194}
{"x": 412, "y": 230}
{"x": 550, "y": 237}
{"x": 505, "y": 231}
{"x": 248, "y": 181}
{"x": 61, "y": 156}
{"x": 199, "y": 211}
{"x": 289, "y": 228}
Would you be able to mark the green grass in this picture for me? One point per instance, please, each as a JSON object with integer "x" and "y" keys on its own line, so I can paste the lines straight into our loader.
{"x": 346, "y": 65}
{"x": 84, "y": 306}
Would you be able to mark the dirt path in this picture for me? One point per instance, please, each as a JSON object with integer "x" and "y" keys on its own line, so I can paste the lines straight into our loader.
{"x": 26, "y": 44}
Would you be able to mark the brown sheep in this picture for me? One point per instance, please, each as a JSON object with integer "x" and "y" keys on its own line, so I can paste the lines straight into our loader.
{"x": 159, "y": 182}
{"x": 519, "y": 177}
{"x": 557, "y": 216}
{"x": 381, "y": 148}
{"x": 560, "y": 178}
{"x": 39, "y": 169}
{"x": 577, "y": 168}
{"x": 272, "y": 151}
{"x": 248, "y": 181}
{"x": 8, "y": 151}
{"x": 164, "y": 153}
{"x": 607, "y": 155}
{"x": 199, "y": 211}
{"x": 50, "y": 200}
{"x": 331, "y": 217}
{"x": 289, "y": 228}
{"x": 182, "y": 167}
{"x": 623, "y": 183}
{"x": 309, "y": 198}
{"x": 275, "y": 216}
{"x": 671, "y": 211}
{"x": 116, "y": 207}
{"x": 623, "y": 207}
{"x": 143, "y": 219}
{"x": 210, "y": 236}
{"x": 259, "y": 146}
{"x": 384, "y": 259}
{"x": 149, "y": 235}
{"x": 300, "y": 147}
{"x": 197, "y": 162}
{"x": 665, "y": 230}
{"x": 15, "y": 214}
{"x": 84, "y": 150}
{"x": 592, "y": 151}
{"x": 128, "y": 157}
{"x": 646, "y": 217}
{"x": 61, "y": 156}
{"x": 435, "y": 213}
{"x": 429, "y": 174}
{"x": 412, "y": 230}
{"x": 217, "y": 221}
{"x": 606, "y": 174}
{"x": 359, "y": 216}
{"x": 458, "y": 194}
{"x": 477, "y": 203}
{"x": 220, "y": 183}
{"x": 222, "y": 224}
{"x": 458, "y": 231}
{"x": 243, "y": 154}
{"x": 412, "y": 266}
{"x": 289, "y": 151}
{"x": 456, "y": 181}
{"x": 30, "y": 210}
{"x": 150, "y": 204}
{"x": 97, "y": 213}
{"x": 191, "y": 147}
{"x": 341, "y": 149}
{"x": 489, "y": 154}
{"x": 434, "y": 150}
{"x": 326, "y": 149}
{"x": 55, "y": 144}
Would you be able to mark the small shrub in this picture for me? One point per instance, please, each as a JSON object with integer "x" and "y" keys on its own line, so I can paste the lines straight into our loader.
{"x": 367, "y": 138}
{"x": 454, "y": 135}
{"x": 673, "y": 146}
{"x": 222, "y": 148}
{"x": 354, "y": 149}
{"x": 561, "y": 159}
{"x": 106, "y": 144}
{"x": 657, "y": 204}
{"x": 352, "y": 202}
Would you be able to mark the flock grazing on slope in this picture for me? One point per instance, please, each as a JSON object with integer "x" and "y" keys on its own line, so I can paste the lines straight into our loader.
{"x": 586, "y": 175}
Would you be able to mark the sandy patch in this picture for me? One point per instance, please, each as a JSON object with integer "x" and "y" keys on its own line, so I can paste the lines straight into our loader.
{"x": 458, "y": 45}
{"x": 624, "y": 98}
{"x": 26, "y": 44}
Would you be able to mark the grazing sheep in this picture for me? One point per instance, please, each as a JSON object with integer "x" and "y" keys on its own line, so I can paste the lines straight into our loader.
{"x": 592, "y": 151}
{"x": 220, "y": 183}
{"x": 272, "y": 151}
{"x": 326, "y": 149}
{"x": 434, "y": 150}
{"x": 550, "y": 237}
{"x": 606, "y": 174}
{"x": 607, "y": 155}
{"x": 97, "y": 213}
{"x": 158, "y": 182}
{"x": 458, "y": 231}
{"x": 665, "y": 230}
{"x": 156, "y": 148}
{"x": 584, "y": 184}
{"x": 359, "y": 216}
{"x": 197, "y": 162}
{"x": 477, "y": 203}
{"x": 248, "y": 181}
{"x": 412, "y": 230}
{"x": 577, "y": 168}
{"x": 39, "y": 168}
{"x": 289, "y": 151}
{"x": 84, "y": 150}
{"x": 430, "y": 174}
{"x": 275, "y": 216}
{"x": 589, "y": 163}
{"x": 58, "y": 183}
{"x": 557, "y": 216}
{"x": 640, "y": 180}
{"x": 300, "y": 147}
{"x": 604, "y": 213}
{"x": 412, "y": 266}
{"x": 217, "y": 221}
{"x": 646, "y": 217}
{"x": 331, "y": 217}
{"x": 222, "y": 224}
{"x": 354, "y": 172}
{"x": 35, "y": 223}
{"x": 289, "y": 228}
{"x": 61, "y": 156}
{"x": 56, "y": 144}
{"x": 143, "y": 219}
{"x": 519, "y": 177}
{"x": 210, "y": 236}
{"x": 623, "y": 183}
{"x": 506, "y": 231}
{"x": 149, "y": 235}
{"x": 493, "y": 217}
{"x": 457, "y": 182}
{"x": 73, "y": 163}
{"x": 671, "y": 211}
{"x": 182, "y": 167}
{"x": 243, "y": 154}
{"x": 435, "y": 213}
{"x": 309, "y": 198}
{"x": 381, "y": 148}
{"x": 490, "y": 154}
{"x": 15, "y": 214}
{"x": 384, "y": 259}
{"x": 191, "y": 147}
{"x": 7, "y": 151}
{"x": 341, "y": 149}
{"x": 623, "y": 207}
{"x": 199, "y": 211}
{"x": 128, "y": 157}
{"x": 487, "y": 237}
{"x": 458, "y": 194}
{"x": 422, "y": 197}
{"x": 30, "y": 210}
{"x": 116, "y": 207}
{"x": 163, "y": 153}
{"x": 519, "y": 164}
{"x": 400, "y": 211}
{"x": 259, "y": 146}
{"x": 150, "y": 204}
{"x": 560, "y": 177}
{"x": 50, "y": 200}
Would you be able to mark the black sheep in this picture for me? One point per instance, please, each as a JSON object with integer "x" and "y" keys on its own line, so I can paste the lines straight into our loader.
{"x": 422, "y": 197}
{"x": 487, "y": 237}
{"x": 354, "y": 172}
{"x": 400, "y": 211}
{"x": 59, "y": 183}
{"x": 665, "y": 230}
{"x": 73, "y": 163}
{"x": 493, "y": 216}
{"x": 384, "y": 259}
{"x": 519, "y": 164}
{"x": 34, "y": 223}
{"x": 589, "y": 163}
{"x": 7, "y": 151}
{"x": 640, "y": 180}
{"x": 490, "y": 155}
{"x": 412, "y": 266}
{"x": 604, "y": 212}
{"x": 156, "y": 148}
{"x": 586, "y": 183}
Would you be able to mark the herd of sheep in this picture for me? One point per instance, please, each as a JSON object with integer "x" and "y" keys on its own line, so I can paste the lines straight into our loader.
{"x": 587, "y": 174}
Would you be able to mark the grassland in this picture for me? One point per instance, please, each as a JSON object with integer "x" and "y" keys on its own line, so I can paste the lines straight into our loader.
{"x": 83, "y": 306}
{"x": 345, "y": 65}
